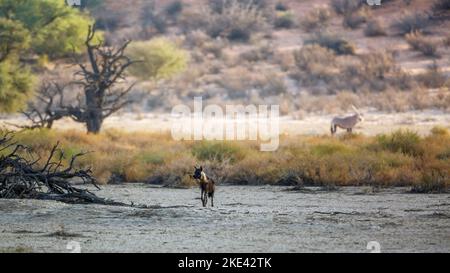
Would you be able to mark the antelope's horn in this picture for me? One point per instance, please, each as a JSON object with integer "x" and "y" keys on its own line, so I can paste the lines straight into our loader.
{"x": 355, "y": 109}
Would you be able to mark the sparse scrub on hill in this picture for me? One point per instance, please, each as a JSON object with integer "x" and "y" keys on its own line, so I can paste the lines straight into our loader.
{"x": 441, "y": 7}
{"x": 315, "y": 63}
{"x": 373, "y": 72}
{"x": 433, "y": 77}
{"x": 356, "y": 19}
{"x": 235, "y": 20}
{"x": 375, "y": 28}
{"x": 378, "y": 64}
{"x": 317, "y": 18}
{"x": 174, "y": 8}
{"x": 284, "y": 19}
{"x": 260, "y": 53}
{"x": 338, "y": 44}
{"x": 280, "y": 6}
{"x": 345, "y": 7}
{"x": 410, "y": 22}
{"x": 419, "y": 42}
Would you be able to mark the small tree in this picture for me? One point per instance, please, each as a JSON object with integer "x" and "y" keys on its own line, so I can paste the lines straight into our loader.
{"x": 15, "y": 81}
{"x": 98, "y": 99}
{"x": 159, "y": 58}
{"x": 29, "y": 28}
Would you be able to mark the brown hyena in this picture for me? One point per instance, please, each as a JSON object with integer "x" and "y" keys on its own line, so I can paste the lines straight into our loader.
{"x": 207, "y": 186}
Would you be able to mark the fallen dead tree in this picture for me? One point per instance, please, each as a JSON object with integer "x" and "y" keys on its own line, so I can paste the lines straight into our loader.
{"x": 23, "y": 176}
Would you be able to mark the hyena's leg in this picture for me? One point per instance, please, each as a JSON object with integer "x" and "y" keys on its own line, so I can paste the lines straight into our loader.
{"x": 212, "y": 199}
{"x": 349, "y": 130}
{"x": 201, "y": 196}
{"x": 205, "y": 203}
{"x": 333, "y": 129}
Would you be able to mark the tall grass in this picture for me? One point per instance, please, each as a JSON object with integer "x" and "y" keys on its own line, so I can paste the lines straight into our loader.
{"x": 402, "y": 158}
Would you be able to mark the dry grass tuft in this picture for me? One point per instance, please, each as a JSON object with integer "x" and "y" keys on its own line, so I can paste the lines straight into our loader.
{"x": 401, "y": 158}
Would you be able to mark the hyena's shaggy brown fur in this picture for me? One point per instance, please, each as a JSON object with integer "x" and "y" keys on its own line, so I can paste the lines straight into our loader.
{"x": 207, "y": 186}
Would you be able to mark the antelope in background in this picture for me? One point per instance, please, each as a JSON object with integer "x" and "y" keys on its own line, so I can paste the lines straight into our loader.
{"x": 207, "y": 186}
{"x": 347, "y": 123}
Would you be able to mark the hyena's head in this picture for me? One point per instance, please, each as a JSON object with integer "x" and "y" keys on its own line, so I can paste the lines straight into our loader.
{"x": 197, "y": 172}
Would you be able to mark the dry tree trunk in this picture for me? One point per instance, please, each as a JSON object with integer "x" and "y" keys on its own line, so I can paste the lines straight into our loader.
{"x": 99, "y": 98}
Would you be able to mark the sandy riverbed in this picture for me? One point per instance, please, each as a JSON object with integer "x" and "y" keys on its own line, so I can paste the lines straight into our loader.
{"x": 245, "y": 219}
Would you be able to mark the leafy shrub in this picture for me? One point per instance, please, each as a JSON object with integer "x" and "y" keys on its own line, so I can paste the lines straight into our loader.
{"x": 16, "y": 86}
{"x": 406, "y": 142}
{"x": 217, "y": 151}
{"x": 158, "y": 58}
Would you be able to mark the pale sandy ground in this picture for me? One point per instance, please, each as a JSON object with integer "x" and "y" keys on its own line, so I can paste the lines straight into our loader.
{"x": 374, "y": 123}
{"x": 245, "y": 219}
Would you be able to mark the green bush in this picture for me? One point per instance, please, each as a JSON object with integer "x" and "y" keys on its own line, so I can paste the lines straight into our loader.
{"x": 16, "y": 86}
{"x": 157, "y": 58}
{"x": 406, "y": 142}
{"x": 217, "y": 151}
{"x": 329, "y": 149}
